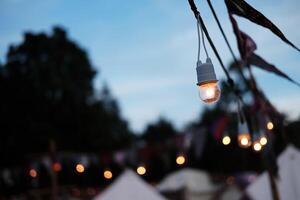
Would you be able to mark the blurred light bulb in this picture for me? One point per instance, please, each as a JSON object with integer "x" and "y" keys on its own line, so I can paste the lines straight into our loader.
{"x": 141, "y": 170}
{"x": 270, "y": 126}
{"x": 244, "y": 139}
{"x": 107, "y": 174}
{"x": 226, "y": 140}
{"x": 257, "y": 146}
{"x": 33, "y": 173}
{"x": 263, "y": 140}
{"x": 180, "y": 160}
{"x": 209, "y": 92}
{"x": 80, "y": 168}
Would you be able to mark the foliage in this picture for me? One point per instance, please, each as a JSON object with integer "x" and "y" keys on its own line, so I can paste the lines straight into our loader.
{"x": 47, "y": 93}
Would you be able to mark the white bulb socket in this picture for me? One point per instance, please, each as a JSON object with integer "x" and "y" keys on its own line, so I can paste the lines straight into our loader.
{"x": 205, "y": 72}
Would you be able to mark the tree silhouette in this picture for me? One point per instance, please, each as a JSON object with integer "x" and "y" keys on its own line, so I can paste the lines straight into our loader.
{"x": 47, "y": 93}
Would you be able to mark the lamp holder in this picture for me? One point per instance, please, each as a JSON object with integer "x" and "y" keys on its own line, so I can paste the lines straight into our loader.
{"x": 205, "y": 72}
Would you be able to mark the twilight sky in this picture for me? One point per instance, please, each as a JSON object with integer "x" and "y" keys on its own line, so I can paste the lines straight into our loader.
{"x": 146, "y": 49}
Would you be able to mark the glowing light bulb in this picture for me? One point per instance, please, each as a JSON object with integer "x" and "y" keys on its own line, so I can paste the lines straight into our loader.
{"x": 33, "y": 173}
{"x": 209, "y": 92}
{"x": 270, "y": 126}
{"x": 141, "y": 170}
{"x": 107, "y": 174}
{"x": 226, "y": 140}
{"x": 180, "y": 160}
{"x": 244, "y": 140}
{"x": 263, "y": 140}
{"x": 257, "y": 146}
{"x": 80, "y": 168}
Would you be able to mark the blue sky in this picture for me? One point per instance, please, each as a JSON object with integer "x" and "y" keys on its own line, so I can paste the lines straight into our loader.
{"x": 146, "y": 49}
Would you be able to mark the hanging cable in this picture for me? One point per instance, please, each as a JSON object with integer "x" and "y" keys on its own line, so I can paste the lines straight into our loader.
{"x": 222, "y": 31}
{"x": 202, "y": 35}
{"x": 201, "y": 22}
{"x": 199, "y": 42}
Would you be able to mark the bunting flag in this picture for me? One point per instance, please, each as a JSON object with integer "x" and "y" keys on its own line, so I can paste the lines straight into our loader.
{"x": 262, "y": 64}
{"x": 243, "y": 9}
{"x": 246, "y": 44}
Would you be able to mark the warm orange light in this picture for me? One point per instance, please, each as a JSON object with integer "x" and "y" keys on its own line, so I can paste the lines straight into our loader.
{"x": 270, "y": 126}
{"x": 80, "y": 168}
{"x": 107, "y": 174}
{"x": 226, "y": 140}
{"x": 263, "y": 140}
{"x": 244, "y": 140}
{"x": 56, "y": 167}
{"x": 180, "y": 160}
{"x": 257, "y": 146}
{"x": 141, "y": 170}
{"x": 209, "y": 92}
{"x": 33, "y": 173}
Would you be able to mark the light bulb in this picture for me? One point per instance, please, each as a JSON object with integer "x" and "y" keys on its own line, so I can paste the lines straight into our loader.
{"x": 207, "y": 82}
{"x": 107, "y": 174}
{"x": 180, "y": 160}
{"x": 270, "y": 126}
{"x": 244, "y": 138}
{"x": 141, "y": 170}
{"x": 257, "y": 146}
{"x": 209, "y": 92}
{"x": 263, "y": 140}
{"x": 33, "y": 173}
{"x": 226, "y": 140}
{"x": 80, "y": 168}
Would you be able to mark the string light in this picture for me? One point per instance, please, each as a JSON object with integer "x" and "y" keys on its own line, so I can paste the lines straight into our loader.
{"x": 107, "y": 174}
{"x": 180, "y": 160}
{"x": 257, "y": 146}
{"x": 33, "y": 173}
{"x": 226, "y": 140}
{"x": 270, "y": 126}
{"x": 80, "y": 168}
{"x": 141, "y": 170}
{"x": 263, "y": 140}
{"x": 209, "y": 90}
{"x": 244, "y": 139}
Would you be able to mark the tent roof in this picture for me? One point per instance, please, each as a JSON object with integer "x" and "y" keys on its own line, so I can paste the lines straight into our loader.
{"x": 129, "y": 186}
{"x": 190, "y": 179}
{"x": 288, "y": 182}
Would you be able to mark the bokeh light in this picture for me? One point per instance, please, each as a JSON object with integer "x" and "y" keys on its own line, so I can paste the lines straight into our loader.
{"x": 270, "y": 126}
{"x": 80, "y": 168}
{"x": 226, "y": 140}
{"x": 33, "y": 173}
{"x": 180, "y": 160}
{"x": 107, "y": 174}
{"x": 141, "y": 170}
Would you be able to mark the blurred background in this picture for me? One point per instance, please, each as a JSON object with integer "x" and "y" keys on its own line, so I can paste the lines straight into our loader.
{"x": 90, "y": 89}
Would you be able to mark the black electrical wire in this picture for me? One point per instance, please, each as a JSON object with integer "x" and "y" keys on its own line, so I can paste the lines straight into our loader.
{"x": 222, "y": 31}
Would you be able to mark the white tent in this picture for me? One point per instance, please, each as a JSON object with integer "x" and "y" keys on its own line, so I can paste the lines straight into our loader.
{"x": 288, "y": 182}
{"x": 194, "y": 184}
{"x": 129, "y": 186}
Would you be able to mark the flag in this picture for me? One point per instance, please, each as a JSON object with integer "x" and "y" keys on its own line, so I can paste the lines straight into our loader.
{"x": 246, "y": 44}
{"x": 243, "y": 9}
{"x": 262, "y": 64}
